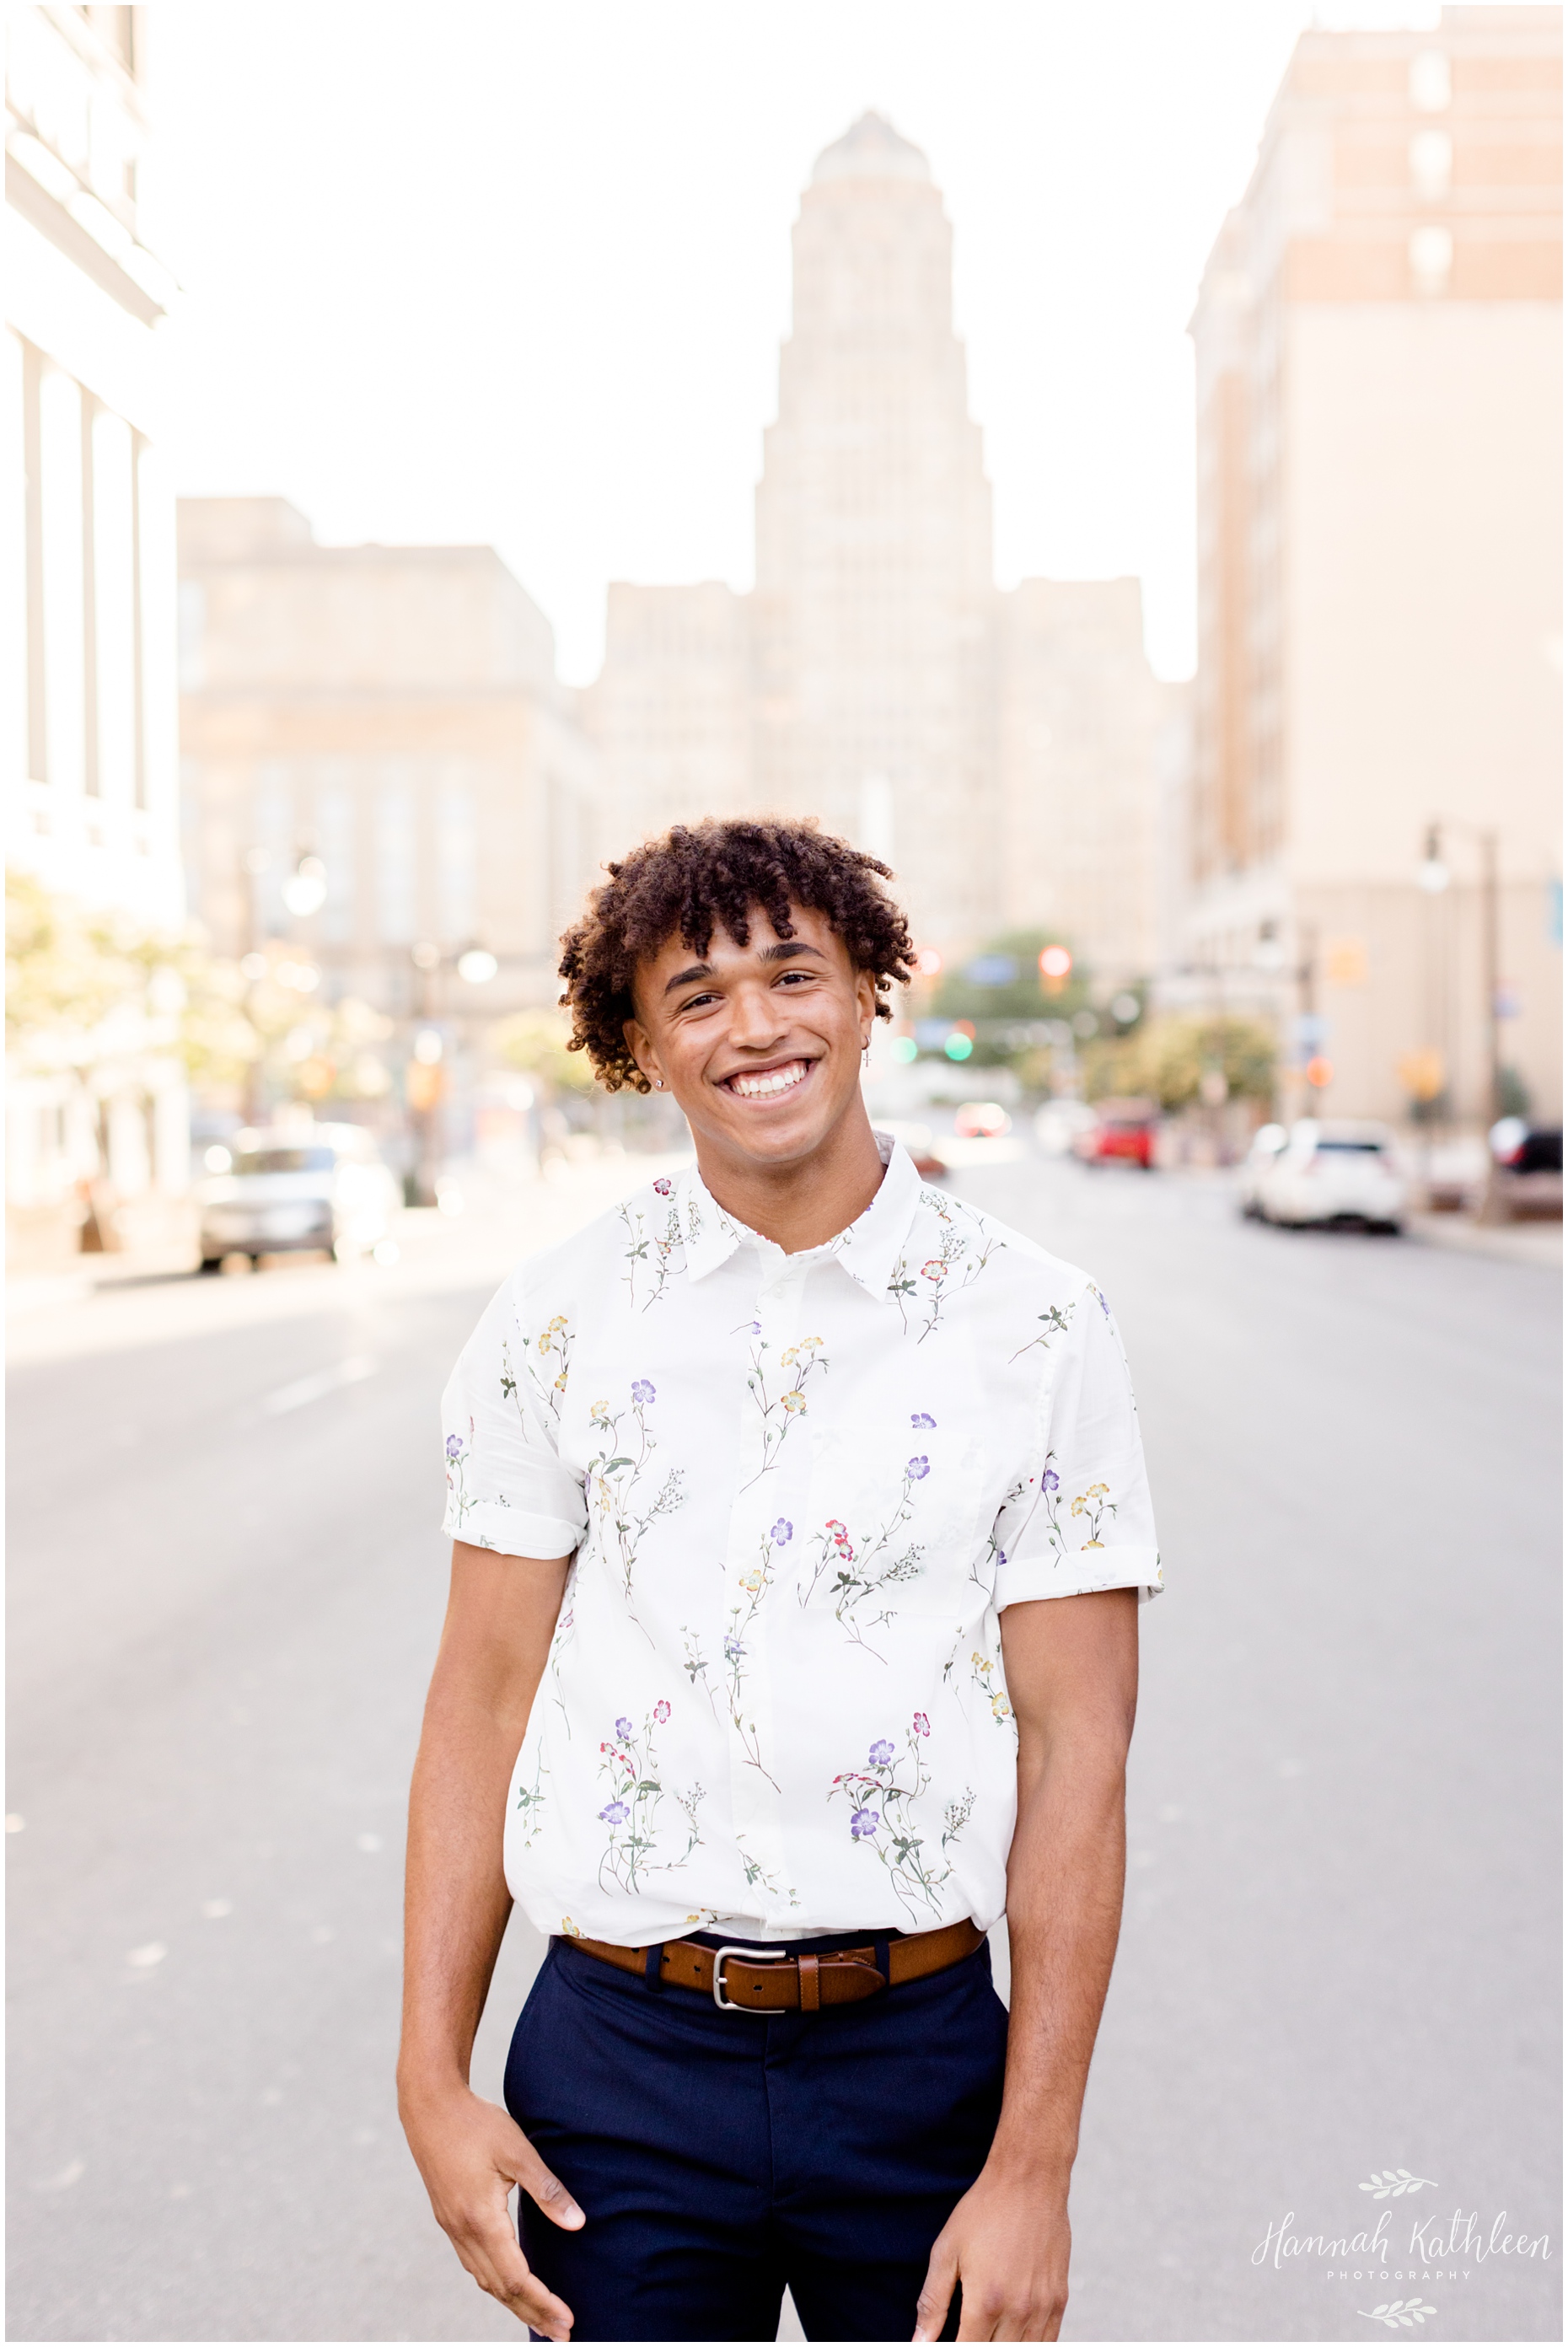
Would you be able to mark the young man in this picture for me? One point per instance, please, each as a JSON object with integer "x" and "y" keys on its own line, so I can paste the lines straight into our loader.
{"x": 800, "y": 1519}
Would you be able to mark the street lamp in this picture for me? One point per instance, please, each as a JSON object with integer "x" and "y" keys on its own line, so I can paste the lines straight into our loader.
{"x": 305, "y": 889}
{"x": 1434, "y": 876}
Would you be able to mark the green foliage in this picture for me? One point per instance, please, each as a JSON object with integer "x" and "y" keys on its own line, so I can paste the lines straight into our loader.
{"x": 1025, "y": 999}
{"x": 535, "y": 1041}
{"x": 85, "y": 989}
{"x": 1166, "y": 1059}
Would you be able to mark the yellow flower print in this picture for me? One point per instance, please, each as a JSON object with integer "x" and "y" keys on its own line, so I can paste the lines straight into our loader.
{"x": 569, "y": 1927}
{"x": 1095, "y": 1503}
{"x": 795, "y": 1401}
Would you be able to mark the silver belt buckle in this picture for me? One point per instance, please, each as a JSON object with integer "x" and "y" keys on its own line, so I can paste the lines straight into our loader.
{"x": 756, "y": 1955}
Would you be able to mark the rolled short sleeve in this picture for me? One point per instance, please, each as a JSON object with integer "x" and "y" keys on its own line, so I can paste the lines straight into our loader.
{"x": 506, "y": 1488}
{"x": 1082, "y": 1519}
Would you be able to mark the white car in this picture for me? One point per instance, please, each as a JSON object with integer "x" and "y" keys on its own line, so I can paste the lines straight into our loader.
{"x": 1267, "y": 1144}
{"x": 281, "y": 1192}
{"x": 1334, "y": 1173}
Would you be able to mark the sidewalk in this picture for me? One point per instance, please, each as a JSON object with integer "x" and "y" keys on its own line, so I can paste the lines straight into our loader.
{"x": 1534, "y": 1243}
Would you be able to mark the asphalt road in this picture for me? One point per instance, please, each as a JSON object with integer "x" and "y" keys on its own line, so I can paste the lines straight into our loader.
{"x": 1340, "y": 1953}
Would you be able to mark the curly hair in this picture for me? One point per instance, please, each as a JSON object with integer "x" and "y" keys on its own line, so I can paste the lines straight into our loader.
{"x": 701, "y": 876}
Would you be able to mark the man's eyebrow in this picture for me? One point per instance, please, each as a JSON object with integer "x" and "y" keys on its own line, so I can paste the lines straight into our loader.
{"x": 689, "y": 977}
{"x": 786, "y": 950}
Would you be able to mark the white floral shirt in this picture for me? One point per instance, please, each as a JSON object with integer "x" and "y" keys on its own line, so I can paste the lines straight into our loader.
{"x": 800, "y": 1489}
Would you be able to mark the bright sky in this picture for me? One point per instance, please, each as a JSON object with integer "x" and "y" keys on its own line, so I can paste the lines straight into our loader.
{"x": 518, "y": 272}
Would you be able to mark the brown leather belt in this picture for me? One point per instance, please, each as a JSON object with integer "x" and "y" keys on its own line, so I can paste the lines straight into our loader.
{"x": 742, "y": 1978}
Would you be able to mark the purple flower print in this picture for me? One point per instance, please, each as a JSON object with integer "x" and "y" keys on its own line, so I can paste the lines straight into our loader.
{"x": 922, "y": 1725}
{"x": 662, "y": 1711}
{"x": 1103, "y": 1306}
{"x": 624, "y": 1730}
{"x": 454, "y": 1446}
{"x": 864, "y": 1823}
{"x": 881, "y": 1753}
{"x": 922, "y": 1417}
{"x": 918, "y": 1468}
{"x": 1001, "y": 1556}
{"x": 642, "y": 1391}
{"x": 1051, "y": 1481}
{"x": 781, "y": 1533}
{"x": 662, "y": 1187}
{"x": 615, "y": 1813}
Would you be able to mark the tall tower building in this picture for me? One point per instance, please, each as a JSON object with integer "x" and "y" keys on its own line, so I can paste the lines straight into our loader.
{"x": 872, "y": 620}
{"x": 1001, "y": 752}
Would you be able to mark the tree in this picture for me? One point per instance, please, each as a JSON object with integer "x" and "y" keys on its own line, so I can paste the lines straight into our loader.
{"x": 1166, "y": 1059}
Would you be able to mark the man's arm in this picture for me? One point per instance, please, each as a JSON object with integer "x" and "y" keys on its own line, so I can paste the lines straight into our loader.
{"x": 1071, "y": 1668}
{"x": 500, "y": 1618}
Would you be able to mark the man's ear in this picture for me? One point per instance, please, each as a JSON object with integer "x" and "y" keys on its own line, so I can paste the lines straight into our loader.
{"x": 865, "y": 994}
{"x": 641, "y": 1050}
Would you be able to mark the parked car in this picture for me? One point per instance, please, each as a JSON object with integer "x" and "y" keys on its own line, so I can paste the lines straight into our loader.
{"x": 283, "y": 1193}
{"x": 1334, "y": 1173}
{"x": 982, "y": 1120}
{"x": 1267, "y": 1144}
{"x": 1525, "y": 1180}
{"x": 1123, "y": 1129}
{"x": 1059, "y": 1123}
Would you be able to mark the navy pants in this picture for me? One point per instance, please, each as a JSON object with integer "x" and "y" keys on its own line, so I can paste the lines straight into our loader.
{"x": 720, "y": 2157}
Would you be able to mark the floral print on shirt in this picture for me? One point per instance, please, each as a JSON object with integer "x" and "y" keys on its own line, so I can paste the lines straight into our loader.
{"x": 797, "y": 1492}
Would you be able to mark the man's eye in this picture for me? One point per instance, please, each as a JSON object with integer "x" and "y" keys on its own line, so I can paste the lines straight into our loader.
{"x": 697, "y": 1001}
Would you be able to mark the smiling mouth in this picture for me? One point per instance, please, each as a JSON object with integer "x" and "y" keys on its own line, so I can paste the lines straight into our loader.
{"x": 768, "y": 1083}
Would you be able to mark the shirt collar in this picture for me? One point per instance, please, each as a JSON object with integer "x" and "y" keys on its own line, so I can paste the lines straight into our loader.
{"x": 869, "y": 1249}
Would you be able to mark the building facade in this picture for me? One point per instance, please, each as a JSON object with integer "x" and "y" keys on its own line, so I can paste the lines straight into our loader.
{"x": 997, "y": 750}
{"x": 1377, "y": 707}
{"x": 91, "y": 788}
{"x": 390, "y": 717}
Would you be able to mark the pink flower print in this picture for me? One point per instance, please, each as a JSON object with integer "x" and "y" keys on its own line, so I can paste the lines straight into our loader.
{"x": 663, "y": 1186}
{"x": 922, "y": 1725}
{"x": 918, "y": 1468}
{"x": 662, "y": 1711}
{"x": 881, "y": 1753}
{"x": 922, "y": 1417}
{"x": 935, "y": 1270}
{"x": 863, "y": 1824}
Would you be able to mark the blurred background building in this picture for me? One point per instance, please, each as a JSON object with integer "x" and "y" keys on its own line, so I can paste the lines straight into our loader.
{"x": 95, "y": 1126}
{"x": 386, "y": 787}
{"x": 1000, "y": 751}
{"x": 1374, "y": 825}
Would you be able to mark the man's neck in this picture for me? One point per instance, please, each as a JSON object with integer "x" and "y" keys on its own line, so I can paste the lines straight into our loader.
{"x": 806, "y": 1203}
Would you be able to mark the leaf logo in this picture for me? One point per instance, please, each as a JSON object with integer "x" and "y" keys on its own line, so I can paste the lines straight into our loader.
{"x": 1394, "y": 2182}
{"x": 1398, "y": 2314}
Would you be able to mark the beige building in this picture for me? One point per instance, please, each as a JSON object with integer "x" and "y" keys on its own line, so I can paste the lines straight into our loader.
{"x": 1000, "y": 751}
{"x": 1379, "y": 433}
{"x": 91, "y": 780}
{"x": 394, "y": 713}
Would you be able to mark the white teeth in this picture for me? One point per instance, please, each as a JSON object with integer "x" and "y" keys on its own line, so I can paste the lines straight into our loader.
{"x": 777, "y": 1079}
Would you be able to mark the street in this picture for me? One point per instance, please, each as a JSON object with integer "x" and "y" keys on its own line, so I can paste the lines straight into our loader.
{"x": 1340, "y": 1951}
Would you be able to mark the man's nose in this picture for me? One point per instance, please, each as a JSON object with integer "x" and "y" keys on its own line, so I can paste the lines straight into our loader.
{"x": 755, "y": 1020}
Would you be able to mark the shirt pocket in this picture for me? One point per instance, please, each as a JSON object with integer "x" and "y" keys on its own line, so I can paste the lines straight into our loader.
{"x": 898, "y": 1505}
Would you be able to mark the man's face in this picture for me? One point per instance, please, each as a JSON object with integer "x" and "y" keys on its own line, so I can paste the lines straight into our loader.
{"x": 760, "y": 1044}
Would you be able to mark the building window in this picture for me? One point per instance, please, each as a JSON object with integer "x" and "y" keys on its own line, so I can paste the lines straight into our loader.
{"x": 63, "y": 580}
{"x": 1431, "y": 260}
{"x": 114, "y": 609}
{"x": 1431, "y": 82}
{"x": 396, "y": 850}
{"x": 1432, "y": 165}
{"x": 335, "y": 846}
{"x": 456, "y": 865}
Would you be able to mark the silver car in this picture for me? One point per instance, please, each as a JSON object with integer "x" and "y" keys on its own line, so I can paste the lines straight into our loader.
{"x": 281, "y": 1192}
{"x": 1334, "y": 1173}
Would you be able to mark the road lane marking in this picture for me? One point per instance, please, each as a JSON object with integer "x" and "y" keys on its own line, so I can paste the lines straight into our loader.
{"x": 318, "y": 1385}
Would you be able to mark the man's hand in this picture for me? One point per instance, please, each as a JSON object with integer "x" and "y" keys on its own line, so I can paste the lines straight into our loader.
{"x": 1008, "y": 2244}
{"x": 470, "y": 2155}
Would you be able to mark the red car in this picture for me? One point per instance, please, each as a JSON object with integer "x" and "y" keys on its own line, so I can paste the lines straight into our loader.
{"x": 1122, "y": 1128}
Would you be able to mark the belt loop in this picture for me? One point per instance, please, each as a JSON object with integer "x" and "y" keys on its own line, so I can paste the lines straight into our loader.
{"x": 653, "y": 1958}
{"x": 810, "y": 1986}
{"x": 884, "y": 1960}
